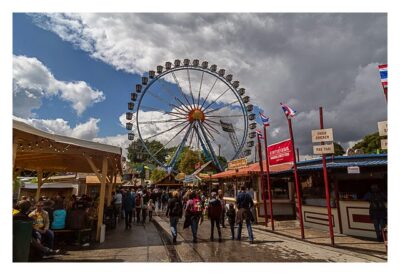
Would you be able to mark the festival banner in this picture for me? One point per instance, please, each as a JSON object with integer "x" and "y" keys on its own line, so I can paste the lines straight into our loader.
{"x": 280, "y": 152}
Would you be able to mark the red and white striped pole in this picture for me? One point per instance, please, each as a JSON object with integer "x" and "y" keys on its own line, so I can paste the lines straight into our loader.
{"x": 271, "y": 212}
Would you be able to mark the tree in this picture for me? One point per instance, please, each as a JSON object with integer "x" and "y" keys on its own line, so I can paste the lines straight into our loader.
{"x": 137, "y": 152}
{"x": 157, "y": 175}
{"x": 188, "y": 162}
{"x": 339, "y": 151}
{"x": 369, "y": 144}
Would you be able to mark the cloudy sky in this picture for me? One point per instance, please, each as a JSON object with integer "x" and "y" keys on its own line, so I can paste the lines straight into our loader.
{"x": 73, "y": 73}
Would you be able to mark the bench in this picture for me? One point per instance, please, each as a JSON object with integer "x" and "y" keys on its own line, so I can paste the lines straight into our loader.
{"x": 78, "y": 231}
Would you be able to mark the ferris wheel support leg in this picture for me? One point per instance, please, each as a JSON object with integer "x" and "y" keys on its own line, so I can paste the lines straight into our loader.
{"x": 211, "y": 149}
{"x": 178, "y": 151}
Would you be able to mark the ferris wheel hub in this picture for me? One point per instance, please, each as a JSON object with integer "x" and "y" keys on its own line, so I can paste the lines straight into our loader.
{"x": 196, "y": 114}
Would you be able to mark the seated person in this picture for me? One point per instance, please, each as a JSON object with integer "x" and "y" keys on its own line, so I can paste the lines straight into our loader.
{"x": 21, "y": 213}
{"x": 59, "y": 216}
{"x": 41, "y": 224}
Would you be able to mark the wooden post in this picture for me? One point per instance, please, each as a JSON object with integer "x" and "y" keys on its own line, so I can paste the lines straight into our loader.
{"x": 102, "y": 196}
{"x": 40, "y": 183}
{"x": 15, "y": 147}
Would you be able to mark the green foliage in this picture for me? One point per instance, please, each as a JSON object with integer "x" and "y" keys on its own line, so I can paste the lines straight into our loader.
{"x": 16, "y": 185}
{"x": 369, "y": 144}
{"x": 223, "y": 162}
{"x": 137, "y": 153}
{"x": 339, "y": 151}
{"x": 157, "y": 175}
{"x": 189, "y": 160}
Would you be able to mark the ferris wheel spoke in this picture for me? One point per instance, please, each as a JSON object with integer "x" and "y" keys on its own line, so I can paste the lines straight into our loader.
{"x": 180, "y": 147}
{"x": 162, "y": 132}
{"x": 191, "y": 138}
{"x": 201, "y": 83}
{"x": 162, "y": 121}
{"x": 190, "y": 85}
{"x": 178, "y": 114}
{"x": 165, "y": 145}
{"x": 210, "y": 147}
{"x": 209, "y": 92}
{"x": 183, "y": 104}
{"x": 219, "y": 108}
{"x": 211, "y": 127}
{"x": 180, "y": 88}
{"x": 179, "y": 108}
{"x": 227, "y": 116}
{"x": 215, "y": 100}
{"x": 159, "y": 98}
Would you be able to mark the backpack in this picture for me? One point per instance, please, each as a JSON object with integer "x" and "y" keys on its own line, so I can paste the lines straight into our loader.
{"x": 177, "y": 209}
{"x": 196, "y": 206}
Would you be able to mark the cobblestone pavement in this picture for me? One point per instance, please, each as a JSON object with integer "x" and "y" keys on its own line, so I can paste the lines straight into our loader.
{"x": 267, "y": 247}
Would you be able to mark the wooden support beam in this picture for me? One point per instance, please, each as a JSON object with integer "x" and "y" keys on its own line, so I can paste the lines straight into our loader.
{"x": 102, "y": 196}
{"x": 15, "y": 147}
{"x": 94, "y": 168}
{"x": 40, "y": 183}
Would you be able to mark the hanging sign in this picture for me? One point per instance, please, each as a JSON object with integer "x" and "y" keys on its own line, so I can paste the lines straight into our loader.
{"x": 382, "y": 127}
{"x": 280, "y": 152}
{"x": 322, "y": 135}
{"x": 324, "y": 149}
{"x": 353, "y": 170}
{"x": 237, "y": 164}
{"x": 384, "y": 144}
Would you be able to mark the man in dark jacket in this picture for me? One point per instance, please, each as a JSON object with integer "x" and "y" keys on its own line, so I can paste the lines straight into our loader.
{"x": 377, "y": 209}
{"x": 244, "y": 202}
{"x": 174, "y": 212}
{"x": 128, "y": 203}
{"x": 214, "y": 214}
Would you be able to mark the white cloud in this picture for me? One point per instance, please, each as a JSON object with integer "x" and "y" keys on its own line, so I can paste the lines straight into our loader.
{"x": 32, "y": 81}
{"x": 305, "y": 60}
{"x": 118, "y": 140}
{"x": 87, "y": 130}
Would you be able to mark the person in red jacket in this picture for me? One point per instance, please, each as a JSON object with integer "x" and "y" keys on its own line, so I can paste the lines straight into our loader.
{"x": 214, "y": 215}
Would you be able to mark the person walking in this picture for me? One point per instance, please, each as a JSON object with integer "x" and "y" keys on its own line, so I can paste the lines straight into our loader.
{"x": 128, "y": 203}
{"x": 214, "y": 215}
{"x": 194, "y": 213}
{"x": 150, "y": 209}
{"x": 145, "y": 200}
{"x": 174, "y": 212}
{"x": 244, "y": 202}
{"x": 377, "y": 210}
{"x": 138, "y": 205}
{"x": 231, "y": 214}
{"x": 118, "y": 205}
{"x": 223, "y": 206}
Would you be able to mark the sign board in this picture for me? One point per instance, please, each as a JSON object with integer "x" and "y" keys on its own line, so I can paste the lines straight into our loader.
{"x": 384, "y": 144}
{"x": 353, "y": 170}
{"x": 204, "y": 175}
{"x": 324, "y": 149}
{"x": 280, "y": 152}
{"x": 322, "y": 135}
{"x": 237, "y": 164}
{"x": 382, "y": 127}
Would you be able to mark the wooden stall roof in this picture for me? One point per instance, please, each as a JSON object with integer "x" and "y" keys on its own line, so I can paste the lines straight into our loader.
{"x": 252, "y": 169}
{"x": 36, "y": 149}
{"x": 93, "y": 180}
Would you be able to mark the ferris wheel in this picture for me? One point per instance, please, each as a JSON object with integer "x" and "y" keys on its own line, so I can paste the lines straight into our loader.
{"x": 191, "y": 105}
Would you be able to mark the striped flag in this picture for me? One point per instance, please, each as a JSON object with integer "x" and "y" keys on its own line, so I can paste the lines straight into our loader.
{"x": 289, "y": 112}
{"x": 384, "y": 75}
{"x": 259, "y": 134}
{"x": 264, "y": 119}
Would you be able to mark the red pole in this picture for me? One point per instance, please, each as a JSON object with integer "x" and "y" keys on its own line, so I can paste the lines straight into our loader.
{"x": 296, "y": 179}
{"x": 327, "y": 194}
{"x": 268, "y": 178}
{"x": 262, "y": 180}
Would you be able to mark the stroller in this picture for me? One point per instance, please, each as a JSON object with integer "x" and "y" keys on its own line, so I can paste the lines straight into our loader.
{"x": 110, "y": 219}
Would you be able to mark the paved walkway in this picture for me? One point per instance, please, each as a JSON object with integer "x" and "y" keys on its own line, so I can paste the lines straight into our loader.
{"x": 267, "y": 247}
{"x": 142, "y": 243}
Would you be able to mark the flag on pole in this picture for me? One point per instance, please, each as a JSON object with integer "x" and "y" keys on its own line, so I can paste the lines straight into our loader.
{"x": 264, "y": 119}
{"x": 259, "y": 134}
{"x": 289, "y": 112}
{"x": 384, "y": 74}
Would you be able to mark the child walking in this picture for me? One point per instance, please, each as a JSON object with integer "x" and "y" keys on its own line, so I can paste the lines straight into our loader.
{"x": 232, "y": 218}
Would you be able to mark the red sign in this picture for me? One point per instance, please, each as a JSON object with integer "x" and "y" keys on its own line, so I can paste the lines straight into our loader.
{"x": 280, "y": 152}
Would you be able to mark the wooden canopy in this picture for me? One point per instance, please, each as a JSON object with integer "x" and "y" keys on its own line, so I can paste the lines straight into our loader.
{"x": 40, "y": 151}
